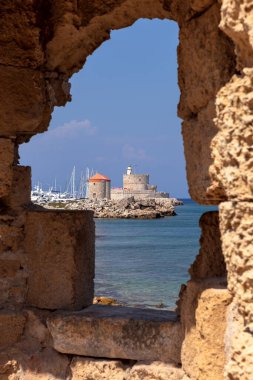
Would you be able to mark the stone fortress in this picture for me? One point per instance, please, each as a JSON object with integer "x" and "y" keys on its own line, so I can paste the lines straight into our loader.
{"x": 134, "y": 185}
{"x": 137, "y": 186}
{"x": 49, "y": 328}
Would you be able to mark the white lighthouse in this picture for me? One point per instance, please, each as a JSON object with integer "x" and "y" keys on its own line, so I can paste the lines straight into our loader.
{"x": 129, "y": 170}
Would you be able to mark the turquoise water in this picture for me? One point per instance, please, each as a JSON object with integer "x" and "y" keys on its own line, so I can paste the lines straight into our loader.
{"x": 143, "y": 262}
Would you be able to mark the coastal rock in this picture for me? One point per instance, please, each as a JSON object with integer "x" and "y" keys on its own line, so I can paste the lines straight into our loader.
{"x": 117, "y": 332}
{"x": 127, "y": 208}
{"x": 104, "y": 301}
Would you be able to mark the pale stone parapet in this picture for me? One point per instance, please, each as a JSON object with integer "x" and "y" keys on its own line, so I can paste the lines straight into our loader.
{"x": 118, "y": 332}
{"x": 60, "y": 253}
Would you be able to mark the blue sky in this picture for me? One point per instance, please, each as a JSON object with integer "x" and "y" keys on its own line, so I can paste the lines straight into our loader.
{"x": 123, "y": 111}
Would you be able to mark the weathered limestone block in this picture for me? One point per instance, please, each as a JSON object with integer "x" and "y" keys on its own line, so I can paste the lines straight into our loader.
{"x": 6, "y": 162}
{"x": 236, "y": 22}
{"x": 8, "y": 367}
{"x": 24, "y": 106}
{"x": 11, "y": 235}
{"x": 203, "y": 314}
{"x": 13, "y": 290}
{"x": 81, "y": 28}
{"x": 238, "y": 347}
{"x": 206, "y": 61}
{"x": 20, "y": 194}
{"x": 118, "y": 332}
{"x": 97, "y": 369}
{"x": 20, "y": 43}
{"x": 32, "y": 356}
{"x": 11, "y": 328}
{"x": 101, "y": 369}
{"x": 155, "y": 371}
{"x": 236, "y": 221}
{"x": 210, "y": 260}
{"x": 60, "y": 251}
{"x": 43, "y": 364}
{"x": 232, "y": 146}
{"x": 8, "y": 267}
{"x": 12, "y": 262}
{"x": 198, "y": 133}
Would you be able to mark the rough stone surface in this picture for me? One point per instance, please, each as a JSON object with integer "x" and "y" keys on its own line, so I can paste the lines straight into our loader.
{"x": 41, "y": 44}
{"x": 201, "y": 5}
{"x": 42, "y": 364}
{"x": 20, "y": 195}
{"x": 12, "y": 262}
{"x": 11, "y": 327}
{"x": 22, "y": 39}
{"x": 237, "y": 243}
{"x": 6, "y": 162}
{"x": 31, "y": 357}
{"x": 204, "y": 47}
{"x": 198, "y": 133}
{"x": 78, "y": 33}
{"x": 238, "y": 343}
{"x": 97, "y": 369}
{"x": 118, "y": 332}
{"x": 210, "y": 260}
{"x": 237, "y": 23}
{"x": 232, "y": 146}
{"x": 203, "y": 314}
{"x": 155, "y": 371}
{"x": 24, "y": 105}
{"x": 60, "y": 250}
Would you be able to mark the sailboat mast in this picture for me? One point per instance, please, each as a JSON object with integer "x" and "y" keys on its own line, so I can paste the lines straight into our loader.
{"x": 73, "y": 182}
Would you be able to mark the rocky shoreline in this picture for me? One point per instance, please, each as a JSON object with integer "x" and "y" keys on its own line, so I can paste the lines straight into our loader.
{"x": 128, "y": 208}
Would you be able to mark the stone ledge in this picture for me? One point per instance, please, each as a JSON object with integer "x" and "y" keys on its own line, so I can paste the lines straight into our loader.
{"x": 118, "y": 332}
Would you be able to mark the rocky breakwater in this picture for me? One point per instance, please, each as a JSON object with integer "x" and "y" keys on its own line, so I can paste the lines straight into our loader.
{"x": 128, "y": 208}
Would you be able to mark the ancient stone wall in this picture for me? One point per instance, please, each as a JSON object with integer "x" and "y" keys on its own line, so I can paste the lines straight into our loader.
{"x": 138, "y": 182}
{"x": 47, "y": 257}
{"x": 97, "y": 190}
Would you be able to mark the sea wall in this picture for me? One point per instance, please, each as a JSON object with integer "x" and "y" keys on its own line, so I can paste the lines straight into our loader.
{"x": 118, "y": 194}
{"x": 47, "y": 258}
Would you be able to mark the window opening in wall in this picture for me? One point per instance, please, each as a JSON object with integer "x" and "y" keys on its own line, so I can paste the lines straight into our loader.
{"x": 122, "y": 120}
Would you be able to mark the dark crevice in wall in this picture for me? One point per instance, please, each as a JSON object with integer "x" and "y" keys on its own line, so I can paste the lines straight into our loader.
{"x": 44, "y": 20}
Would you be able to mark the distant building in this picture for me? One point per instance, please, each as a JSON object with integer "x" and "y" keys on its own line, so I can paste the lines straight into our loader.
{"x": 136, "y": 185}
{"x": 99, "y": 187}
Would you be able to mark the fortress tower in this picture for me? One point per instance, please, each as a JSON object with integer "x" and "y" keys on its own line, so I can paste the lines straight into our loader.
{"x": 135, "y": 182}
{"x": 137, "y": 186}
{"x": 99, "y": 187}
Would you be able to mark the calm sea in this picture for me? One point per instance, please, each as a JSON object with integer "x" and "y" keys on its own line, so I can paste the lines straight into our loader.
{"x": 143, "y": 262}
